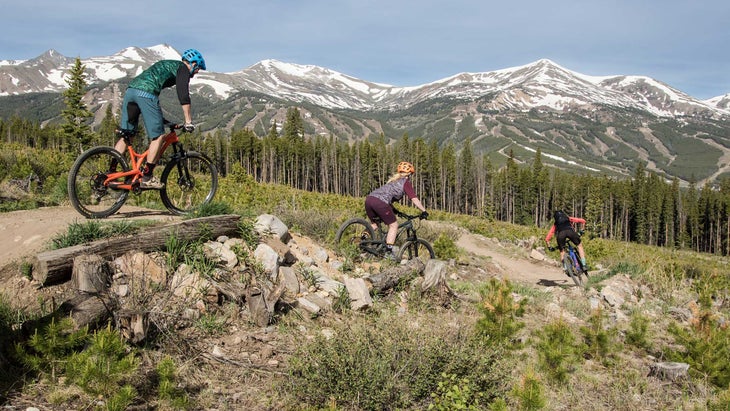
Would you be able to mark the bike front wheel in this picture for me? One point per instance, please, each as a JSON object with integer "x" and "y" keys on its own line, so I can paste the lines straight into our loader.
{"x": 89, "y": 194}
{"x": 353, "y": 236}
{"x": 190, "y": 182}
{"x": 419, "y": 248}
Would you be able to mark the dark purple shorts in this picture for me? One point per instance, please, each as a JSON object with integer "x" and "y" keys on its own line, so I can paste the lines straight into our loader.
{"x": 569, "y": 233}
{"x": 378, "y": 211}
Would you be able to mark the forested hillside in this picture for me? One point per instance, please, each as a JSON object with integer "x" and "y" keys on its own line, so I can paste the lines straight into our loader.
{"x": 646, "y": 208}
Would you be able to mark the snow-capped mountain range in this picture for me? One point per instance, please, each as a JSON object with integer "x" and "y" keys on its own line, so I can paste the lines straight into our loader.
{"x": 540, "y": 84}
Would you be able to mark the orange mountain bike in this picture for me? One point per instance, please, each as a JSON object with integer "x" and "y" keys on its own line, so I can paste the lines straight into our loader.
{"x": 101, "y": 179}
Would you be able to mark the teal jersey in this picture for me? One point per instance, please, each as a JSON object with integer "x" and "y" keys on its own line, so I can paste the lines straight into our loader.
{"x": 160, "y": 75}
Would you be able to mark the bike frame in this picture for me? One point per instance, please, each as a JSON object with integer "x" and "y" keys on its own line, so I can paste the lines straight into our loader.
{"x": 573, "y": 255}
{"x": 373, "y": 246}
{"x": 135, "y": 162}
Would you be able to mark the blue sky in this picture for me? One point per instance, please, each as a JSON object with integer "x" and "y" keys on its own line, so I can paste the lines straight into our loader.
{"x": 398, "y": 42}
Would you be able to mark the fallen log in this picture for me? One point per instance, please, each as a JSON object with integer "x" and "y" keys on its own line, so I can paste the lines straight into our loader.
{"x": 55, "y": 266}
{"x": 391, "y": 277}
{"x": 83, "y": 309}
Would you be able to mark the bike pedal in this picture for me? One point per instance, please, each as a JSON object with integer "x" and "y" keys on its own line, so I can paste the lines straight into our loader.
{"x": 136, "y": 189}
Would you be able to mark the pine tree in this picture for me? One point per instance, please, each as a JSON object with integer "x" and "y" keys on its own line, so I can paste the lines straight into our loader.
{"x": 76, "y": 116}
{"x": 466, "y": 187}
{"x": 108, "y": 125}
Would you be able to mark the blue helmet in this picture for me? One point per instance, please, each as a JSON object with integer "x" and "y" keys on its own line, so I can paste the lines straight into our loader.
{"x": 194, "y": 56}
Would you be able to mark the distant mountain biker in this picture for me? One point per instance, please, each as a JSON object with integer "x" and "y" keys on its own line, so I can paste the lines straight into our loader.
{"x": 142, "y": 97}
{"x": 564, "y": 227}
{"x": 379, "y": 203}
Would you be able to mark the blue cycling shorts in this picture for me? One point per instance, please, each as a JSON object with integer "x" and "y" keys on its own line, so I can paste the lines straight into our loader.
{"x": 149, "y": 107}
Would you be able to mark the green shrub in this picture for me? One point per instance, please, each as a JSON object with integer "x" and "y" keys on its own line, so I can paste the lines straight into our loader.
{"x": 624, "y": 267}
{"x": 706, "y": 345}
{"x": 101, "y": 368}
{"x": 638, "y": 332}
{"x": 445, "y": 247}
{"x": 48, "y": 350}
{"x": 454, "y": 394}
{"x": 81, "y": 233}
{"x": 558, "y": 352}
{"x": 499, "y": 312}
{"x": 529, "y": 393}
{"x": 247, "y": 231}
{"x": 391, "y": 362}
{"x": 167, "y": 389}
{"x": 211, "y": 209}
{"x": 599, "y": 341}
{"x": 315, "y": 222}
{"x": 210, "y": 324}
{"x": 341, "y": 302}
{"x": 720, "y": 402}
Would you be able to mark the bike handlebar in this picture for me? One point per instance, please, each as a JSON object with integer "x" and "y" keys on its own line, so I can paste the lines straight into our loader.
{"x": 407, "y": 216}
{"x": 174, "y": 126}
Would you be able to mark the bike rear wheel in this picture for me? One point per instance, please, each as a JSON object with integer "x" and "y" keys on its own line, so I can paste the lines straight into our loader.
{"x": 191, "y": 181}
{"x": 86, "y": 189}
{"x": 572, "y": 272}
{"x": 417, "y": 249}
{"x": 353, "y": 236}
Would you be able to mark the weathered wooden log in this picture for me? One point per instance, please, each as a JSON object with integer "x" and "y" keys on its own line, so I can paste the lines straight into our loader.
{"x": 55, "y": 266}
{"x": 391, "y": 277}
{"x": 89, "y": 310}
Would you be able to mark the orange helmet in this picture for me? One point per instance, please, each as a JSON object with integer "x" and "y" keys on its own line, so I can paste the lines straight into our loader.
{"x": 406, "y": 167}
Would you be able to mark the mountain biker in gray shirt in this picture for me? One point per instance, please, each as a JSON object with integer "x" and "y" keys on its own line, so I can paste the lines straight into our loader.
{"x": 142, "y": 97}
{"x": 379, "y": 203}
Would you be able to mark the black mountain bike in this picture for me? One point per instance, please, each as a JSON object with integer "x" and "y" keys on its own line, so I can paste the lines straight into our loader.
{"x": 572, "y": 265}
{"x": 356, "y": 234}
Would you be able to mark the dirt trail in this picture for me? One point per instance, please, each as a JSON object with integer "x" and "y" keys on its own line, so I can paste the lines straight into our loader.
{"x": 513, "y": 264}
{"x": 26, "y": 232}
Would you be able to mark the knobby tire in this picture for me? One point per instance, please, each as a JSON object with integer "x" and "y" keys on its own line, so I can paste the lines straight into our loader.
{"x": 351, "y": 234}
{"x": 571, "y": 271}
{"x": 419, "y": 248}
{"x": 88, "y": 195}
{"x": 190, "y": 182}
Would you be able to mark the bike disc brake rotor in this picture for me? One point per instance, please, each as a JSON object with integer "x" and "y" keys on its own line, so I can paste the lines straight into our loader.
{"x": 97, "y": 185}
{"x": 186, "y": 183}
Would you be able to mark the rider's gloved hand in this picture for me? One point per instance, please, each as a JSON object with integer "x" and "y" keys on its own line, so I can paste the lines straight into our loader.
{"x": 424, "y": 215}
{"x": 189, "y": 127}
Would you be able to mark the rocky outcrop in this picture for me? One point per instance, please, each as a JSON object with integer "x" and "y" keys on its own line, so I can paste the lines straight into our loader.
{"x": 280, "y": 272}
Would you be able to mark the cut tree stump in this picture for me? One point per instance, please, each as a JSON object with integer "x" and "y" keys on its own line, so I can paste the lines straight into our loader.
{"x": 55, "y": 266}
{"x": 91, "y": 273}
{"x": 132, "y": 325}
{"x": 672, "y": 371}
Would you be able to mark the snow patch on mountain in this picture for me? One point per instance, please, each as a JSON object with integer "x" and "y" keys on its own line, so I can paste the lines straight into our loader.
{"x": 560, "y": 159}
{"x": 542, "y": 84}
{"x": 221, "y": 89}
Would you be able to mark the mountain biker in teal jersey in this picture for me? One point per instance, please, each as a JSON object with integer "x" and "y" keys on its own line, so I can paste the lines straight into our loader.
{"x": 564, "y": 226}
{"x": 142, "y": 97}
{"x": 379, "y": 203}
